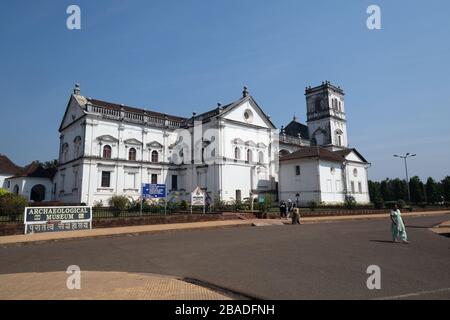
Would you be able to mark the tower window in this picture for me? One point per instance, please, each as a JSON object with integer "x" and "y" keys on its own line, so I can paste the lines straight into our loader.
{"x": 297, "y": 170}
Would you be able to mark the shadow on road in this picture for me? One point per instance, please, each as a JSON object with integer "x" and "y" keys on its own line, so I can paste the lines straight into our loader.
{"x": 382, "y": 241}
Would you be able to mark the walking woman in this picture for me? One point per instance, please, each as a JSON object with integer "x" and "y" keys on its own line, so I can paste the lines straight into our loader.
{"x": 397, "y": 226}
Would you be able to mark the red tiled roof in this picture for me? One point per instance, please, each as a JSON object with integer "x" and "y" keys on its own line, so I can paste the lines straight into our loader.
{"x": 313, "y": 152}
{"x": 36, "y": 170}
{"x": 7, "y": 166}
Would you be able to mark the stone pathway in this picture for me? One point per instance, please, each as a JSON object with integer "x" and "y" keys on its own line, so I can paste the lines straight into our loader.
{"x": 101, "y": 286}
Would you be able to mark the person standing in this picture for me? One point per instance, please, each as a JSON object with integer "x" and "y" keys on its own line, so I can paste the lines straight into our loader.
{"x": 282, "y": 209}
{"x": 397, "y": 226}
{"x": 289, "y": 208}
{"x": 295, "y": 215}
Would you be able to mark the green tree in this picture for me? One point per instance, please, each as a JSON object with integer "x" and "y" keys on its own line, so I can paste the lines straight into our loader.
{"x": 118, "y": 204}
{"x": 374, "y": 190}
{"x": 432, "y": 191}
{"x": 53, "y": 164}
{"x": 417, "y": 190}
{"x": 398, "y": 188}
{"x": 445, "y": 183}
{"x": 12, "y": 205}
{"x": 385, "y": 190}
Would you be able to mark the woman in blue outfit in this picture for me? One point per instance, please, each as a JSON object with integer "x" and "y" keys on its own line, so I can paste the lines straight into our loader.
{"x": 397, "y": 226}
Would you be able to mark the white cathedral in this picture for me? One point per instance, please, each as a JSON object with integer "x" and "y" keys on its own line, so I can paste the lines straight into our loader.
{"x": 232, "y": 152}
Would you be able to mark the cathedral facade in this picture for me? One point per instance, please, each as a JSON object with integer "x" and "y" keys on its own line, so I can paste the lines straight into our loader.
{"x": 232, "y": 151}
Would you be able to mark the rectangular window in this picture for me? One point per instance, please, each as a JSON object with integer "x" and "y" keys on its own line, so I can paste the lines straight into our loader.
{"x": 238, "y": 195}
{"x": 106, "y": 179}
{"x": 297, "y": 170}
{"x": 174, "y": 182}
{"x": 154, "y": 179}
{"x": 130, "y": 180}
{"x": 359, "y": 187}
{"x": 352, "y": 184}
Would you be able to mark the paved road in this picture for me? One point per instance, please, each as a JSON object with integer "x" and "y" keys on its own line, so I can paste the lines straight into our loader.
{"x": 315, "y": 261}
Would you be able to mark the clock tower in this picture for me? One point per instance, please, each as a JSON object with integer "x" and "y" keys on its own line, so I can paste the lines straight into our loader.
{"x": 326, "y": 116}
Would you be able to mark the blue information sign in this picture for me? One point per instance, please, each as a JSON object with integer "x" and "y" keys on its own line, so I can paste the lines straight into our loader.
{"x": 153, "y": 190}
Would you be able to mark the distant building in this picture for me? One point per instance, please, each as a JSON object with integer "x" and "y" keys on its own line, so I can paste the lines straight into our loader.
{"x": 7, "y": 169}
{"x": 316, "y": 163}
{"x": 34, "y": 182}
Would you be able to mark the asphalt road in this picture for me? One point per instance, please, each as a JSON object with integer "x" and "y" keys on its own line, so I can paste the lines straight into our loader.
{"x": 312, "y": 261}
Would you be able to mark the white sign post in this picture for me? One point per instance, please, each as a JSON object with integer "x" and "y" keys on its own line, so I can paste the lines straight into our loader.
{"x": 198, "y": 198}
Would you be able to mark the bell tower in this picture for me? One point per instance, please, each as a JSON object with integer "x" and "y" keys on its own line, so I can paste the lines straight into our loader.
{"x": 326, "y": 115}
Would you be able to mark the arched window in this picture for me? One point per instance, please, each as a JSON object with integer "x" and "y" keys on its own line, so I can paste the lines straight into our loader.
{"x": 64, "y": 151}
{"x": 37, "y": 193}
{"x": 107, "y": 152}
{"x": 154, "y": 156}
{"x": 249, "y": 156}
{"x": 261, "y": 157}
{"x": 132, "y": 154}
{"x": 77, "y": 147}
{"x": 16, "y": 189}
{"x": 237, "y": 153}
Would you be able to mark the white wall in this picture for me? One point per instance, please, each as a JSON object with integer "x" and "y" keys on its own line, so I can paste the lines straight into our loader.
{"x": 307, "y": 184}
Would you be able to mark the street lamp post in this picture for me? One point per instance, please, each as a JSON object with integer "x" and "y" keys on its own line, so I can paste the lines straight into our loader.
{"x": 406, "y": 156}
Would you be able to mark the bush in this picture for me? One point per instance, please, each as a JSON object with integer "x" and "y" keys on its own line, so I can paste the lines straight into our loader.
{"x": 378, "y": 203}
{"x": 12, "y": 205}
{"x": 98, "y": 204}
{"x": 313, "y": 205}
{"x": 3, "y": 192}
{"x": 401, "y": 203}
{"x": 267, "y": 203}
{"x": 349, "y": 202}
{"x": 184, "y": 205}
{"x": 118, "y": 204}
{"x": 422, "y": 204}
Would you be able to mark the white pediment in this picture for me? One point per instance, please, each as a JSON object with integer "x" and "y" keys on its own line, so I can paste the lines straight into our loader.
{"x": 107, "y": 138}
{"x": 248, "y": 112}
{"x": 237, "y": 141}
{"x": 73, "y": 112}
{"x": 154, "y": 145}
{"x": 250, "y": 143}
{"x": 261, "y": 145}
{"x": 133, "y": 142}
{"x": 355, "y": 156}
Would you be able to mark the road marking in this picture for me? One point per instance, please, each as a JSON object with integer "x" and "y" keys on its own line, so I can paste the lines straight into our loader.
{"x": 414, "y": 294}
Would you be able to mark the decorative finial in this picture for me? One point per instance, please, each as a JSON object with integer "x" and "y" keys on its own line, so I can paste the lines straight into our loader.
{"x": 245, "y": 92}
{"x": 76, "y": 90}
{"x": 295, "y": 117}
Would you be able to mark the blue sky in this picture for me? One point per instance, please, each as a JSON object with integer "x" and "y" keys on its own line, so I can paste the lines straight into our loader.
{"x": 183, "y": 56}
